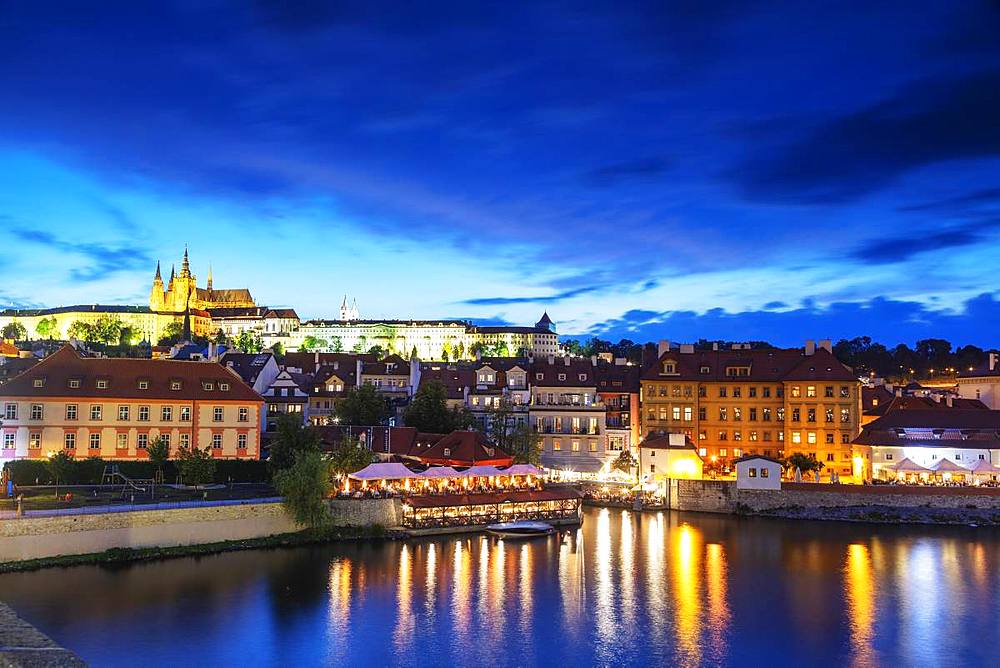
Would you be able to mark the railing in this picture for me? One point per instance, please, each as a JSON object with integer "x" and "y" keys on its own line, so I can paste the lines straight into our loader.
{"x": 488, "y": 514}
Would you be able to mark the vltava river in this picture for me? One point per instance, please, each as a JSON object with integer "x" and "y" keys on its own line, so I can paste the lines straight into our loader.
{"x": 626, "y": 589}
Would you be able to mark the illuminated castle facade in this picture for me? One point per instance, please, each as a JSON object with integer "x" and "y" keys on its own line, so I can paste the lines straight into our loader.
{"x": 182, "y": 292}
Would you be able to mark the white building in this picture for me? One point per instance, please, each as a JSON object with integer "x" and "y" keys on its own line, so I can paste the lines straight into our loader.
{"x": 758, "y": 472}
{"x": 982, "y": 383}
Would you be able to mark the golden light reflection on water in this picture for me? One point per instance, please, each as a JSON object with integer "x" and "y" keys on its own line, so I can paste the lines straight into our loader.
{"x": 628, "y": 608}
{"x": 571, "y": 590}
{"x": 461, "y": 591}
{"x": 430, "y": 583}
{"x": 524, "y": 591}
{"x": 859, "y": 584}
{"x": 718, "y": 602}
{"x": 340, "y": 597}
{"x": 403, "y": 635}
{"x": 685, "y": 557}
{"x": 607, "y": 624}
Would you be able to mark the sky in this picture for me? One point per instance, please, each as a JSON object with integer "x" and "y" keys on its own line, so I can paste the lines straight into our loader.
{"x": 680, "y": 170}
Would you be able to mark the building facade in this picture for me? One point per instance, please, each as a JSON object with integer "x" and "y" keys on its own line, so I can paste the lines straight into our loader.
{"x": 181, "y": 292}
{"x": 114, "y": 408}
{"x": 740, "y": 401}
{"x": 982, "y": 383}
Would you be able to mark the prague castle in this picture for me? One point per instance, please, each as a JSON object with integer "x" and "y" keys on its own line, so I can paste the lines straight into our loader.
{"x": 182, "y": 292}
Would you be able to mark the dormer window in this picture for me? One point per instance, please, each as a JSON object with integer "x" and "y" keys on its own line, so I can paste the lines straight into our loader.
{"x": 102, "y": 384}
{"x": 143, "y": 384}
{"x": 39, "y": 382}
{"x": 207, "y": 386}
{"x": 224, "y": 387}
{"x": 538, "y": 376}
{"x": 705, "y": 370}
{"x": 175, "y": 385}
{"x": 583, "y": 376}
{"x": 74, "y": 383}
{"x": 669, "y": 367}
{"x": 562, "y": 376}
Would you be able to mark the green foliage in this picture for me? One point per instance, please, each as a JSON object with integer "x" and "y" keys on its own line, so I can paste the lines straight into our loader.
{"x": 27, "y": 471}
{"x": 278, "y": 350}
{"x": 127, "y": 336}
{"x": 525, "y": 445}
{"x": 803, "y": 462}
{"x": 378, "y": 351}
{"x": 220, "y": 338}
{"x": 336, "y": 345}
{"x": 47, "y": 328}
{"x": 362, "y": 406}
{"x": 625, "y": 462}
{"x": 903, "y": 363}
{"x": 195, "y": 466}
{"x": 429, "y": 411}
{"x": 14, "y": 330}
{"x": 88, "y": 471}
{"x": 159, "y": 452}
{"x": 311, "y": 343}
{"x": 172, "y": 334}
{"x": 61, "y": 466}
{"x": 107, "y": 330}
{"x": 292, "y": 438}
{"x": 249, "y": 342}
{"x": 350, "y": 456}
{"x": 305, "y": 485}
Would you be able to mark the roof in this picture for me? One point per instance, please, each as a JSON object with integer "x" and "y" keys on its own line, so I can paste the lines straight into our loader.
{"x": 617, "y": 377}
{"x": 309, "y": 361}
{"x": 563, "y": 372}
{"x": 123, "y": 376}
{"x": 663, "y": 442}
{"x": 8, "y": 349}
{"x": 234, "y": 296}
{"x": 451, "y": 500}
{"x": 247, "y": 366}
{"x": 983, "y": 369}
{"x": 11, "y": 367}
{"x": 934, "y": 427}
{"x": 383, "y": 471}
{"x": 393, "y": 365}
{"x": 874, "y": 399}
{"x": 910, "y": 403}
{"x": 765, "y": 364}
{"x": 746, "y": 458}
{"x": 464, "y": 448}
{"x": 454, "y": 379}
{"x": 80, "y": 308}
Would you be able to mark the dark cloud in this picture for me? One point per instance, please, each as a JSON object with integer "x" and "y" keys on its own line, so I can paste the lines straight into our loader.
{"x": 978, "y": 198}
{"x": 886, "y": 320}
{"x": 899, "y": 248}
{"x": 927, "y": 122}
{"x": 500, "y": 301}
{"x": 771, "y": 306}
{"x": 104, "y": 260}
{"x": 644, "y": 169}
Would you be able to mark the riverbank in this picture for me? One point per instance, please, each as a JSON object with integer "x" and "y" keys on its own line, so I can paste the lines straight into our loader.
{"x": 24, "y": 646}
{"x": 982, "y": 517}
{"x": 129, "y": 555}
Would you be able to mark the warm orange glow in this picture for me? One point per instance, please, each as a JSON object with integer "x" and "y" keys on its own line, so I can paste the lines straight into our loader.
{"x": 860, "y": 586}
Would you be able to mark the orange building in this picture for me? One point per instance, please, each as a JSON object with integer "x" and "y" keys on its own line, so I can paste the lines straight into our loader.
{"x": 114, "y": 408}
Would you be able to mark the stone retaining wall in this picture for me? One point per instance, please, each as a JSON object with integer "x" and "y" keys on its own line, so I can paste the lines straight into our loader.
{"x": 22, "y": 645}
{"x": 366, "y": 512}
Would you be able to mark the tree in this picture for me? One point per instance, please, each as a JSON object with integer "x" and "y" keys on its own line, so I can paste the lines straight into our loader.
{"x": 312, "y": 343}
{"x": 625, "y": 462}
{"x": 220, "y": 338}
{"x": 429, "y": 411}
{"x": 460, "y": 350}
{"x": 349, "y": 456}
{"x": 14, "y": 330}
{"x": 60, "y": 466}
{"x": 81, "y": 331}
{"x": 172, "y": 334}
{"x": 249, "y": 342}
{"x": 195, "y": 466}
{"x": 362, "y": 406}
{"x": 378, "y": 351}
{"x": 336, "y": 344}
{"x": 159, "y": 454}
{"x": 47, "y": 328}
{"x": 803, "y": 462}
{"x": 107, "y": 330}
{"x": 292, "y": 437}
{"x": 500, "y": 422}
{"x": 446, "y": 351}
{"x": 278, "y": 350}
{"x": 127, "y": 336}
{"x": 304, "y": 487}
{"x": 525, "y": 445}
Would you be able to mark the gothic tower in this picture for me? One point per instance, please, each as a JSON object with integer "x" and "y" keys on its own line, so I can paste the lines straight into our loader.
{"x": 156, "y": 293}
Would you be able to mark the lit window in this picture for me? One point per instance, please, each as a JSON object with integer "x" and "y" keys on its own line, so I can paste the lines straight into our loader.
{"x": 702, "y": 452}
{"x": 143, "y": 413}
{"x": 70, "y": 411}
{"x": 74, "y": 383}
{"x": 751, "y": 472}
{"x": 8, "y": 440}
{"x": 811, "y": 391}
{"x": 69, "y": 441}
{"x": 36, "y": 411}
{"x": 39, "y": 382}
{"x": 34, "y": 440}
{"x": 143, "y": 384}
{"x": 175, "y": 385}
{"x": 122, "y": 443}
{"x": 95, "y": 441}
{"x": 102, "y": 384}
{"x": 217, "y": 414}
{"x": 796, "y": 437}
{"x": 224, "y": 387}
{"x": 123, "y": 412}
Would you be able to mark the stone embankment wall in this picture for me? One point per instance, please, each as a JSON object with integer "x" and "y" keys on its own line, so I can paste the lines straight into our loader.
{"x": 366, "y": 512}
{"x": 40, "y": 537}
{"x": 22, "y": 645}
{"x": 716, "y": 496}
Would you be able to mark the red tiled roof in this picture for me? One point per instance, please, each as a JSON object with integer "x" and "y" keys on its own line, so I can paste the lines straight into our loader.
{"x": 570, "y": 369}
{"x": 465, "y": 448}
{"x": 123, "y": 376}
{"x": 766, "y": 365}
{"x": 454, "y": 379}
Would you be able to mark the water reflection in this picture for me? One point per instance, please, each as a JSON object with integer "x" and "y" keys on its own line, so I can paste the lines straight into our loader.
{"x": 625, "y": 589}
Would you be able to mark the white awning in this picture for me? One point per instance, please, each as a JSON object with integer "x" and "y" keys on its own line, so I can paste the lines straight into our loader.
{"x": 386, "y": 471}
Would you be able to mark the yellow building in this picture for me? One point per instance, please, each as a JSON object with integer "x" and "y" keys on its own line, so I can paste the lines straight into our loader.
{"x": 146, "y": 325}
{"x": 768, "y": 401}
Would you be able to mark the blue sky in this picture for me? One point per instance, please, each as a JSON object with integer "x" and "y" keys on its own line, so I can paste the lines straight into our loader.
{"x": 676, "y": 170}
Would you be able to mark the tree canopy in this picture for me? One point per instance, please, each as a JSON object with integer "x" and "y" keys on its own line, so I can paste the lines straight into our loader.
{"x": 292, "y": 437}
{"x": 349, "y": 456}
{"x": 429, "y": 411}
{"x": 14, "y": 330}
{"x": 249, "y": 341}
{"x": 362, "y": 406}
{"x": 304, "y": 486}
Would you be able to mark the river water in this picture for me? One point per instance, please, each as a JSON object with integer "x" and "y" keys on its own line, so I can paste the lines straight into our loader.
{"x": 625, "y": 589}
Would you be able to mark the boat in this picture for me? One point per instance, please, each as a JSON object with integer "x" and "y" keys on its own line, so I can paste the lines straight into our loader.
{"x": 522, "y": 529}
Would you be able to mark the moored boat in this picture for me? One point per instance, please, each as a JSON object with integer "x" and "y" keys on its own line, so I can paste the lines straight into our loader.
{"x": 523, "y": 529}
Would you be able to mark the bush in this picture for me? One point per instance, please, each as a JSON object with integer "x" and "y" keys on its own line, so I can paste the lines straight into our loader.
{"x": 196, "y": 466}
{"x": 27, "y": 471}
{"x": 240, "y": 470}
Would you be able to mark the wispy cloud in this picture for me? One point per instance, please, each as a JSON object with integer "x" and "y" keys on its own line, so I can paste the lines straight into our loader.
{"x": 499, "y": 301}
{"x": 104, "y": 260}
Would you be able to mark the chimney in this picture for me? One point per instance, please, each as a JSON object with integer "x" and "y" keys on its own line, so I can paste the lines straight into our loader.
{"x": 316, "y": 360}
{"x": 566, "y": 360}
{"x": 662, "y": 347}
{"x": 826, "y": 344}
{"x": 715, "y": 345}
{"x": 552, "y": 359}
{"x": 687, "y": 349}
{"x": 593, "y": 360}
{"x": 994, "y": 360}
{"x": 810, "y": 348}
{"x": 357, "y": 371}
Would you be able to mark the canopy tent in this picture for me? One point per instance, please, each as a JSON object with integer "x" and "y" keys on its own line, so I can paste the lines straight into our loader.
{"x": 523, "y": 469}
{"x": 947, "y": 466}
{"x": 907, "y": 465}
{"x": 440, "y": 472}
{"x": 983, "y": 467}
{"x": 482, "y": 472}
{"x": 384, "y": 471}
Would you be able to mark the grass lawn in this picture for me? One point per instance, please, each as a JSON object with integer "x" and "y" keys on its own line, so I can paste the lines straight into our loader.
{"x": 44, "y": 497}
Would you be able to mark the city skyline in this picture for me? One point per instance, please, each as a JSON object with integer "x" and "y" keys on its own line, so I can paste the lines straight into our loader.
{"x": 625, "y": 170}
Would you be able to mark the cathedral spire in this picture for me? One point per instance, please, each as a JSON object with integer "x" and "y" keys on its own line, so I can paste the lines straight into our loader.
{"x": 157, "y": 278}
{"x": 185, "y": 265}
{"x": 172, "y": 272}
{"x": 210, "y": 277}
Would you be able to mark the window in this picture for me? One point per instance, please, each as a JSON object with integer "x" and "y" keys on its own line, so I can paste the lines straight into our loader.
{"x": 767, "y": 436}
{"x": 687, "y": 413}
{"x": 207, "y": 386}
{"x": 829, "y": 456}
{"x": 702, "y": 391}
{"x": 574, "y": 446}
{"x": 143, "y": 413}
{"x": 702, "y": 413}
{"x": 562, "y": 376}
{"x": 796, "y": 437}
{"x": 95, "y": 441}
{"x": 8, "y": 440}
{"x": 845, "y": 414}
{"x": 737, "y": 392}
{"x": 39, "y": 382}
{"x": 845, "y": 391}
{"x": 811, "y": 391}
{"x": 241, "y": 441}
{"x": 765, "y": 392}
{"x": 751, "y": 472}
{"x": 796, "y": 415}
{"x": 142, "y": 441}
{"x": 122, "y": 442}
{"x": 753, "y": 414}
{"x": 705, "y": 370}
{"x": 592, "y": 446}
{"x": 753, "y": 392}
{"x": 143, "y": 384}
{"x": 166, "y": 440}
{"x": 845, "y": 438}
{"x": 185, "y": 440}
{"x": 175, "y": 385}
{"x": 675, "y": 390}
{"x": 829, "y": 415}
{"x": 556, "y": 444}
{"x": 828, "y": 391}
{"x": 753, "y": 435}
{"x": 244, "y": 414}
{"x": 723, "y": 435}
{"x": 723, "y": 452}
{"x": 796, "y": 391}
{"x": 737, "y": 413}
{"x": 811, "y": 437}
{"x": 764, "y": 473}
{"x": 723, "y": 414}
{"x": 737, "y": 435}
{"x": 34, "y": 440}
{"x": 95, "y": 412}
{"x": 217, "y": 414}
{"x": 811, "y": 415}
{"x": 677, "y": 412}
{"x": 69, "y": 441}
{"x": 224, "y": 387}
{"x": 669, "y": 367}
{"x": 123, "y": 413}
{"x": 166, "y": 413}
{"x": 10, "y": 412}
{"x": 702, "y": 452}
{"x": 74, "y": 383}
{"x": 780, "y": 414}
{"x": 70, "y": 411}
{"x": 36, "y": 411}
{"x": 102, "y": 384}
{"x": 722, "y": 391}
{"x": 829, "y": 439}
{"x": 185, "y": 415}
{"x": 766, "y": 414}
